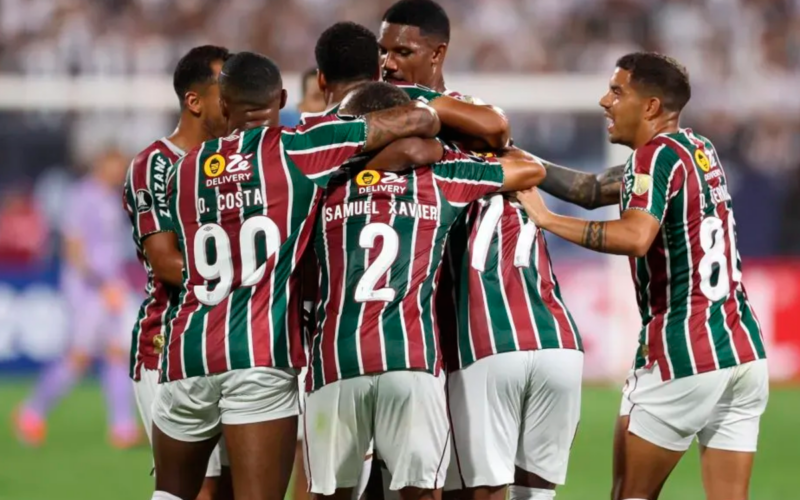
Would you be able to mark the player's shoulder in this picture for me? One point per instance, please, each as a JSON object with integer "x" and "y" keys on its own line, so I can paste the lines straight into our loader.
{"x": 470, "y": 99}
{"x": 661, "y": 152}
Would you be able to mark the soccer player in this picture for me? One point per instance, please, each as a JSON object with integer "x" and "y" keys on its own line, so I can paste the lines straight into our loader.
{"x": 145, "y": 200}
{"x": 93, "y": 283}
{"x": 347, "y": 57}
{"x": 700, "y": 370}
{"x": 514, "y": 335}
{"x": 242, "y": 207}
{"x": 375, "y": 362}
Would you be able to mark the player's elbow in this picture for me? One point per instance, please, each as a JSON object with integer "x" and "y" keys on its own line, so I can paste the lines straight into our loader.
{"x": 639, "y": 244}
{"x": 496, "y": 130}
{"x": 426, "y": 121}
{"x": 534, "y": 174}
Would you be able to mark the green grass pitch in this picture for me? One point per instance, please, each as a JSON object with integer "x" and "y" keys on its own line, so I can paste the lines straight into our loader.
{"x": 77, "y": 463}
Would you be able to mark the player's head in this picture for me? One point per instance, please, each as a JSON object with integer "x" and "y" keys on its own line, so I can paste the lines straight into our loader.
{"x": 413, "y": 41}
{"x": 373, "y": 96}
{"x": 312, "y": 100}
{"x": 347, "y": 53}
{"x": 195, "y": 83}
{"x": 250, "y": 82}
{"x": 646, "y": 90}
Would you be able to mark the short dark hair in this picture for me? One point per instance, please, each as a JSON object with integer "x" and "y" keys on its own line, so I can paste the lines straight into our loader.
{"x": 304, "y": 79}
{"x": 427, "y": 15}
{"x": 348, "y": 52}
{"x": 250, "y": 78}
{"x": 374, "y": 96}
{"x": 194, "y": 68}
{"x": 661, "y": 75}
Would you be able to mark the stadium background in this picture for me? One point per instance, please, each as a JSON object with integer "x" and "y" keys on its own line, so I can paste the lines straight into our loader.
{"x": 80, "y": 77}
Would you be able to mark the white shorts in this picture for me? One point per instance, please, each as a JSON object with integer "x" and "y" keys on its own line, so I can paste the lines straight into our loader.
{"x": 195, "y": 409}
{"x": 514, "y": 409}
{"x": 301, "y": 384}
{"x": 722, "y": 408}
{"x": 404, "y": 411}
{"x": 146, "y": 391}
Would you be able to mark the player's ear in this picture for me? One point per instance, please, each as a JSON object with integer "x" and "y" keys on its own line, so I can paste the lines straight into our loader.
{"x": 223, "y": 107}
{"x": 191, "y": 100}
{"x": 284, "y": 96}
{"x": 653, "y": 107}
{"x": 321, "y": 82}
{"x": 439, "y": 53}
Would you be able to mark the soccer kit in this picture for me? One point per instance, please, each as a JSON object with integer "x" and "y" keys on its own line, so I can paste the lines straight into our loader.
{"x": 514, "y": 357}
{"x": 700, "y": 369}
{"x": 145, "y": 201}
{"x": 243, "y": 208}
{"x": 375, "y": 368}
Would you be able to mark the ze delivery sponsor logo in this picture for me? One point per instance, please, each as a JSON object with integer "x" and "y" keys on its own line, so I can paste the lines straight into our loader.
{"x": 220, "y": 170}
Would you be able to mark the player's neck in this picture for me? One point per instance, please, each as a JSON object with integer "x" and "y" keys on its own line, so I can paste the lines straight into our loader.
{"x": 651, "y": 131}
{"x": 189, "y": 133}
{"x": 335, "y": 94}
{"x": 437, "y": 83}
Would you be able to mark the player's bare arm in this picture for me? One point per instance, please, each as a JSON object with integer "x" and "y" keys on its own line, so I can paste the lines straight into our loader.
{"x": 161, "y": 250}
{"x": 632, "y": 234}
{"x": 520, "y": 172}
{"x": 413, "y": 119}
{"x": 586, "y": 190}
{"x": 407, "y": 153}
{"x": 483, "y": 122}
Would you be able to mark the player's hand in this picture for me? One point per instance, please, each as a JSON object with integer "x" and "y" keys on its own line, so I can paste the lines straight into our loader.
{"x": 113, "y": 296}
{"x": 534, "y": 206}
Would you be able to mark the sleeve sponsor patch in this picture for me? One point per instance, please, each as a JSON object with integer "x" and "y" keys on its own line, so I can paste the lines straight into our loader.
{"x": 144, "y": 201}
{"x": 641, "y": 184}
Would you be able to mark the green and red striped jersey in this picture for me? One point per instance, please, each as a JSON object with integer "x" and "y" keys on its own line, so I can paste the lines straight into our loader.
{"x": 379, "y": 242}
{"x": 507, "y": 295}
{"x": 696, "y": 316}
{"x": 244, "y": 211}
{"x": 145, "y": 201}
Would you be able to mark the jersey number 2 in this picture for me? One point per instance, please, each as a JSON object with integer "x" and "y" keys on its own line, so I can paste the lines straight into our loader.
{"x": 222, "y": 268}
{"x": 489, "y": 224}
{"x": 712, "y": 240}
{"x": 365, "y": 289}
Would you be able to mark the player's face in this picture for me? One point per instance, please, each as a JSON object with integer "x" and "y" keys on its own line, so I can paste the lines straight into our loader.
{"x": 313, "y": 99}
{"x": 406, "y": 55}
{"x": 624, "y": 108}
{"x": 211, "y": 114}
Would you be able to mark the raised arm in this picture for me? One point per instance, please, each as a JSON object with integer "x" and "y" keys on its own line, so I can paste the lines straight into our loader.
{"x": 485, "y": 123}
{"x": 407, "y": 153}
{"x": 409, "y": 120}
{"x": 586, "y": 190}
{"x": 161, "y": 250}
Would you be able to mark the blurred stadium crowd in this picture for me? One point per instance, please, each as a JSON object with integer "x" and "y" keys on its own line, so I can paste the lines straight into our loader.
{"x": 743, "y": 56}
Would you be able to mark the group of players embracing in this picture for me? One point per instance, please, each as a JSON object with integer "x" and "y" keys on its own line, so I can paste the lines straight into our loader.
{"x": 434, "y": 330}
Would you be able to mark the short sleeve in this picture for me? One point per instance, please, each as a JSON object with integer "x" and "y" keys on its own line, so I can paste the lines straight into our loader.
{"x": 418, "y": 92}
{"x": 320, "y": 149}
{"x": 464, "y": 178}
{"x": 147, "y": 181}
{"x": 653, "y": 176}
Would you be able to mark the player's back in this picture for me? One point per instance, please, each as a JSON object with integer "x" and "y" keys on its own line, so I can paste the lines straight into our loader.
{"x": 379, "y": 242}
{"x": 508, "y": 298}
{"x": 695, "y": 311}
{"x": 243, "y": 208}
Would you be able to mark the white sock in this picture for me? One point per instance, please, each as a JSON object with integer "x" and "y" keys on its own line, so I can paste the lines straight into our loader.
{"x": 163, "y": 495}
{"x": 524, "y": 493}
{"x": 363, "y": 479}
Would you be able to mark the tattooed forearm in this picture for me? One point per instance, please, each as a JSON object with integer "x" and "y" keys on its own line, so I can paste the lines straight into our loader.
{"x": 388, "y": 125}
{"x": 589, "y": 191}
{"x": 594, "y": 236}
